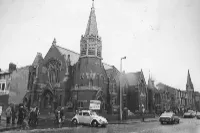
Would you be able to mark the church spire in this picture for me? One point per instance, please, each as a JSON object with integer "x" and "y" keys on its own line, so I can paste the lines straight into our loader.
{"x": 92, "y": 3}
{"x": 189, "y": 81}
{"x": 91, "y": 44}
{"x": 92, "y": 24}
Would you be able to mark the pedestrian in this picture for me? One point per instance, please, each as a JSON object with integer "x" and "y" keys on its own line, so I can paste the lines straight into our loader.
{"x": 21, "y": 115}
{"x": 13, "y": 114}
{"x": 8, "y": 115}
{"x": 0, "y": 112}
{"x": 62, "y": 114}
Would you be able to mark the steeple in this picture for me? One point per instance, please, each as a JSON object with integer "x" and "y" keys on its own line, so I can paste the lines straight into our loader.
{"x": 90, "y": 44}
{"x": 189, "y": 85}
{"x": 92, "y": 23}
{"x": 54, "y": 41}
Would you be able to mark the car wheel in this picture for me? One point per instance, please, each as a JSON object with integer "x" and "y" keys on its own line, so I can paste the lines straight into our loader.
{"x": 74, "y": 122}
{"x": 94, "y": 123}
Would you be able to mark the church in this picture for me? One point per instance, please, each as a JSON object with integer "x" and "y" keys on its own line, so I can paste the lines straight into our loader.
{"x": 66, "y": 78}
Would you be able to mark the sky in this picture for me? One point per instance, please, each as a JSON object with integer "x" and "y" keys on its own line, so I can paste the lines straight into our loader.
{"x": 161, "y": 37}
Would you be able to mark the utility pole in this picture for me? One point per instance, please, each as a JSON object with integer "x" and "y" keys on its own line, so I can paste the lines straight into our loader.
{"x": 120, "y": 89}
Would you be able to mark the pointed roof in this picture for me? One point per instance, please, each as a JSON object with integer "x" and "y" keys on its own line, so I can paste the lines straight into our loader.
{"x": 73, "y": 55}
{"x": 38, "y": 59}
{"x": 133, "y": 78}
{"x": 189, "y": 81}
{"x": 54, "y": 41}
{"x": 92, "y": 24}
{"x": 150, "y": 83}
{"x": 107, "y": 66}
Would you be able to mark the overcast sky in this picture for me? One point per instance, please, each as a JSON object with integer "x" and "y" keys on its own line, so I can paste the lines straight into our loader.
{"x": 162, "y": 36}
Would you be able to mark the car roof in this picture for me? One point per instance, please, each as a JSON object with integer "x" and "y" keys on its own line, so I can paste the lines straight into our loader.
{"x": 167, "y": 113}
{"x": 85, "y": 110}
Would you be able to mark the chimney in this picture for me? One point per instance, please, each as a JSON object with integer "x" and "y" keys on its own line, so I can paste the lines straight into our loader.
{"x": 12, "y": 67}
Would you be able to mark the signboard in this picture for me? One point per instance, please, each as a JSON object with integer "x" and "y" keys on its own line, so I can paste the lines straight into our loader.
{"x": 95, "y": 105}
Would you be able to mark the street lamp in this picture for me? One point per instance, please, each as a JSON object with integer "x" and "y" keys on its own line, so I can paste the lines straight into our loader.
{"x": 120, "y": 90}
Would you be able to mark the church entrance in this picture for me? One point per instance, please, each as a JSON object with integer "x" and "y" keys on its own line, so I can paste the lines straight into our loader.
{"x": 47, "y": 98}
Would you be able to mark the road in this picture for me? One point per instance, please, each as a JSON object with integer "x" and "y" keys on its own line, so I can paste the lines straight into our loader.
{"x": 185, "y": 126}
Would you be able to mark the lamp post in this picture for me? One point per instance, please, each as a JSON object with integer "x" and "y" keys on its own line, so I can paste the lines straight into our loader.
{"x": 120, "y": 90}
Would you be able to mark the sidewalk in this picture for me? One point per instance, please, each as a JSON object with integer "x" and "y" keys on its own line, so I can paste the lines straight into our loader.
{"x": 5, "y": 127}
{"x": 131, "y": 121}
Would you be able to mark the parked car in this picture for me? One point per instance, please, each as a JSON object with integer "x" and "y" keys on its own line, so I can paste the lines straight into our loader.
{"x": 90, "y": 118}
{"x": 189, "y": 114}
{"x": 198, "y": 115}
{"x": 169, "y": 118}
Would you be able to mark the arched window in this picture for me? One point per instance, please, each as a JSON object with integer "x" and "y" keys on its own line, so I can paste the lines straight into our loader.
{"x": 53, "y": 67}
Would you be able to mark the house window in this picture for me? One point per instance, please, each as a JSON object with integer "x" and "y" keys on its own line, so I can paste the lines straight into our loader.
{"x": 80, "y": 104}
{"x": 60, "y": 100}
{"x": 3, "y": 86}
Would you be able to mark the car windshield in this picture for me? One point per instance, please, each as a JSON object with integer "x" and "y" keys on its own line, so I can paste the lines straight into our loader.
{"x": 93, "y": 113}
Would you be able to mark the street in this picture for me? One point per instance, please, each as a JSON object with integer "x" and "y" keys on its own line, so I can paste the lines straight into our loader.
{"x": 185, "y": 126}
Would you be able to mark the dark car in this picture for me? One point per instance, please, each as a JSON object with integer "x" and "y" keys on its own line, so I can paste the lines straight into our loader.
{"x": 169, "y": 118}
{"x": 198, "y": 115}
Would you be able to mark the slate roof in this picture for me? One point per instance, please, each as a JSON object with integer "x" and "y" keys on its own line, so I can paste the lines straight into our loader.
{"x": 133, "y": 78}
{"x": 106, "y": 66}
{"x": 73, "y": 55}
{"x": 92, "y": 24}
{"x": 164, "y": 87}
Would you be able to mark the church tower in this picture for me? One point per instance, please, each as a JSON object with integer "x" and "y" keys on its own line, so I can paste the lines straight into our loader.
{"x": 90, "y": 44}
{"x": 90, "y": 78}
{"x": 190, "y": 92}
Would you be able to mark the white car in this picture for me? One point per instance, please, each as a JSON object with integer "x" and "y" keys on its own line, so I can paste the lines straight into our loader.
{"x": 190, "y": 114}
{"x": 90, "y": 118}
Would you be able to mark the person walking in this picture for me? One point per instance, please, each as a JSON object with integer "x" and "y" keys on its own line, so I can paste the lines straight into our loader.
{"x": 143, "y": 111}
{"x": 13, "y": 114}
{"x": 62, "y": 115}
{"x": 21, "y": 115}
{"x": 8, "y": 115}
{"x": 0, "y": 112}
